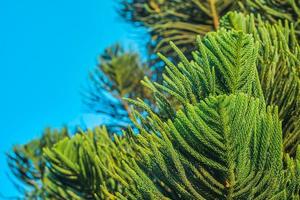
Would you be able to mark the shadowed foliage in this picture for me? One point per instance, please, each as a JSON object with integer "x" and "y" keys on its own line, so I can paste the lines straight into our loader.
{"x": 181, "y": 21}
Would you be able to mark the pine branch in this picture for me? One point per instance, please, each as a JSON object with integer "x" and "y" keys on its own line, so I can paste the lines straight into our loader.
{"x": 28, "y": 166}
{"x": 219, "y": 141}
{"x": 83, "y": 167}
{"x": 224, "y": 145}
{"x": 181, "y": 21}
{"x": 279, "y": 71}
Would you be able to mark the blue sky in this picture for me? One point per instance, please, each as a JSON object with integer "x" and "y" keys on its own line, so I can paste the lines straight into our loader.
{"x": 47, "y": 48}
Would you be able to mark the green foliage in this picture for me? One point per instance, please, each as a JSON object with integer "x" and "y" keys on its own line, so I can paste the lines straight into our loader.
{"x": 216, "y": 69}
{"x": 226, "y": 118}
{"x": 120, "y": 67}
{"x": 28, "y": 166}
{"x": 279, "y": 70}
{"x": 226, "y": 145}
{"x": 274, "y": 10}
{"x": 178, "y": 21}
{"x": 231, "y": 151}
{"x": 87, "y": 166}
{"x": 118, "y": 75}
{"x": 293, "y": 175}
{"x": 222, "y": 142}
{"x": 181, "y": 21}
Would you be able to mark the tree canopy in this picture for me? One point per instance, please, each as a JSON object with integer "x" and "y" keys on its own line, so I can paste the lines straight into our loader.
{"x": 221, "y": 119}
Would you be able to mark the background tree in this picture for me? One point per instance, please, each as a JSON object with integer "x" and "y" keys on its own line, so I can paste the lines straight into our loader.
{"x": 29, "y": 166}
{"x": 181, "y": 21}
{"x": 118, "y": 75}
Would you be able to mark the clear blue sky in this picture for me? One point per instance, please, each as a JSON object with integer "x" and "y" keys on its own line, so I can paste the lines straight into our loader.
{"x": 47, "y": 48}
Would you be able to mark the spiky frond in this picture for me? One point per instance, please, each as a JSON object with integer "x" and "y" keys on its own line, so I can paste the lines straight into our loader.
{"x": 219, "y": 67}
{"x": 226, "y": 145}
{"x": 279, "y": 69}
{"x": 230, "y": 151}
{"x": 87, "y": 166}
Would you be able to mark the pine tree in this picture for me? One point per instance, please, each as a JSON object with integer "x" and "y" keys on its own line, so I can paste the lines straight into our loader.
{"x": 181, "y": 21}
{"x": 221, "y": 141}
{"x": 224, "y": 143}
{"x": 222, "y": 123}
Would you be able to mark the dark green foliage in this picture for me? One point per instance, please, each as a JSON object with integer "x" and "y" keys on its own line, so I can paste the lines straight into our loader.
{"x": 278, "y": 68}
{"x": 28, "y": 166}
{"x": 274, "y": 10}
{"x": 293, "y": 175}
{"x": 181, "y": 21}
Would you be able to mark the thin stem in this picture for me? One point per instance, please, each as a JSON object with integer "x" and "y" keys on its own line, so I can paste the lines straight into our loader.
{"x": 214, "y": 13}
{"x": 127, "y": 108}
